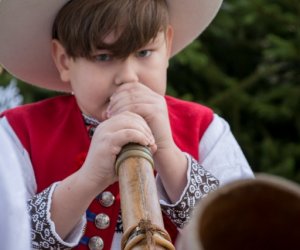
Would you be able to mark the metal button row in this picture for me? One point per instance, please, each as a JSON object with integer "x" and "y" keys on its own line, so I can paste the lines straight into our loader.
{"x": 102, "y": 221}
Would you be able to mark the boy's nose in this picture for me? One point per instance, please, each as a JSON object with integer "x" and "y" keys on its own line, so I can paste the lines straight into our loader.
{"x": 127, "y": 72}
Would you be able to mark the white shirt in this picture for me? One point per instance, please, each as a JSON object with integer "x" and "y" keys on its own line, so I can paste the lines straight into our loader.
{"x": 14, "y": 220}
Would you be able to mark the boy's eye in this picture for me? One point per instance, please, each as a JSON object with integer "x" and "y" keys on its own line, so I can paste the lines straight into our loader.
{"x": 144, "y": 53}
{"x": 103, "y": 57}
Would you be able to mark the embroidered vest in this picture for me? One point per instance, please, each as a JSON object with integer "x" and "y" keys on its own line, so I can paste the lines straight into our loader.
{"x": 54, "y": 134}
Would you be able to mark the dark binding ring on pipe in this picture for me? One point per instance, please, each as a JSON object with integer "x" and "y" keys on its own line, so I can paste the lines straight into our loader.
{"x": 133, "y": 150}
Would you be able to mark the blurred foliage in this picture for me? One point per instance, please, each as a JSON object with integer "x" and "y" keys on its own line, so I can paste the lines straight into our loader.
{"x": 246, "y": 66}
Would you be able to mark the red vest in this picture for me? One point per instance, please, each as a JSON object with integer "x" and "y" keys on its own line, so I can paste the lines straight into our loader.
{"x": 54, "y": 134}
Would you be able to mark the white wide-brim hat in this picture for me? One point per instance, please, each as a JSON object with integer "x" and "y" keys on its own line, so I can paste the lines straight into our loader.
{"x": 25, "y": 35}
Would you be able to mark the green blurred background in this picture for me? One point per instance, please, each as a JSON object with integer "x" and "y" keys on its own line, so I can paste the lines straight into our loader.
{"x": 246, "y": 66}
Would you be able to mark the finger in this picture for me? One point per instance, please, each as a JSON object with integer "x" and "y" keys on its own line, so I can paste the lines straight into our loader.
{"x": 135, "y": 121}
{"x": 132, "y": 95}
{"x": 131, "y": 86}
{"x": 125, "y": 136}
{"x": 149, "y": 111}
{"x": 125, "y": 120}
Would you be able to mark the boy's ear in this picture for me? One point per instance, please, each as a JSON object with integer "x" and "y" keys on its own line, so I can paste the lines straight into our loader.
{"x": 169, "y": 39}
{"x": 61, "y": 60}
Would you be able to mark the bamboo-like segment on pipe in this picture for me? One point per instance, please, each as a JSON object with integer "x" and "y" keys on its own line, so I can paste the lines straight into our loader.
{"x": 141, "y": 213}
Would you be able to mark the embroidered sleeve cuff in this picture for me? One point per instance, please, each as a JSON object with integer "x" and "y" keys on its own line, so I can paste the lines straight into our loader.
{"x": 43, "y": 231}
{"x": 200, "y": 183}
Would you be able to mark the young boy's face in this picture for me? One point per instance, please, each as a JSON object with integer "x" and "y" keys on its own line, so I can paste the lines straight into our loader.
{"x": 94, "y": 81}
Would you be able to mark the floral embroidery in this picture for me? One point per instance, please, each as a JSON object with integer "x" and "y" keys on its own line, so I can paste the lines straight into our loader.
{"x": 200, "y": 184}
{"x": 119, "y": 225}
{"x": 41, "y": 234}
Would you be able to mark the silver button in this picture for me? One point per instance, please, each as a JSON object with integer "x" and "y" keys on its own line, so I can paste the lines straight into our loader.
{"x": 102, "y": 221}
{"x": 96, "y": 243}
{"x": 106, "y": 199}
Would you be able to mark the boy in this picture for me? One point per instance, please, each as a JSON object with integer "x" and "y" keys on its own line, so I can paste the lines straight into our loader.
{"x": 112, "y": 56}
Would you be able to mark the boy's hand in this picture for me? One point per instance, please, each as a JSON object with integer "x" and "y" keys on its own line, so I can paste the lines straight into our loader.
{"x": 140, "y": 99}
{"x": 109, "y": 137}
{"x": 170, "y": 161}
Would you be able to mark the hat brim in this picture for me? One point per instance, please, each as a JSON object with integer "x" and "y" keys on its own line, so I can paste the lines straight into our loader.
{"x": 25, "y": 41}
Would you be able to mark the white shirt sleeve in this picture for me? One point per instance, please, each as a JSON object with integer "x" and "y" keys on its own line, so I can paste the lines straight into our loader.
{"x": 15, "y": 228}
{"x": 30, "y": 187}
{"x": 22, "y": 156}
{"x": 221, "y": 161}
{"x": 221, "y": 155}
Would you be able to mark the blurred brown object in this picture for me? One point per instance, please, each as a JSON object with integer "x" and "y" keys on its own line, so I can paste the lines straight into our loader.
{"x": 253, "y": 214}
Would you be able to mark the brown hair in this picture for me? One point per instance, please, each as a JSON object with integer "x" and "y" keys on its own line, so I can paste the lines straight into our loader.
{"x": 81, "y": 25}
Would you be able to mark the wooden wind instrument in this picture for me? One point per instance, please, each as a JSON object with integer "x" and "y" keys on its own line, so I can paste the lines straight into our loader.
{"x": 141, "y": 213}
